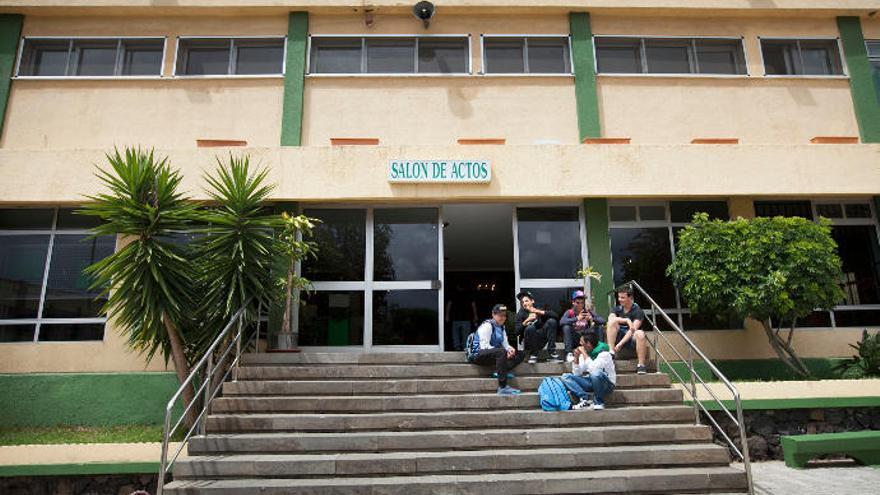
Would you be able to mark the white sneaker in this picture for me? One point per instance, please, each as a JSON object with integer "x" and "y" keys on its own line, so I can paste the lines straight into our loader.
{"x": 533, "y": 359}
{"x": 569, "y": 358}
{"x": 597, "y": 407}
{"x": 583, "y": 404}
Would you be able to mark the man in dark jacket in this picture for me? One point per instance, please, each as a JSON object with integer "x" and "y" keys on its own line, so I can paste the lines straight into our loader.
{"x": 538, "y": 328}
{"x": 577, "y": 321}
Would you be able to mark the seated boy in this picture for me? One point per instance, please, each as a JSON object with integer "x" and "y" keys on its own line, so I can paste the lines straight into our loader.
{"x": 579, "y": 319}
{"x": 593, "y": 359}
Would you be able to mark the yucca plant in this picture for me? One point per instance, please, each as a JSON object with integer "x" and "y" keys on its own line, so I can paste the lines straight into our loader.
{"x": 148, "y": 281}
{"x": 237, "y": 249}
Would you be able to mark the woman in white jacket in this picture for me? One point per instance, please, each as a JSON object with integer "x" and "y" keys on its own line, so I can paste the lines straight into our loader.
{"x": 591, "y": 372}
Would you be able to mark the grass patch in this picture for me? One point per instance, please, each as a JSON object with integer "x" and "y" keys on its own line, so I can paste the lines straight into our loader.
{"x": 82, "y": 434}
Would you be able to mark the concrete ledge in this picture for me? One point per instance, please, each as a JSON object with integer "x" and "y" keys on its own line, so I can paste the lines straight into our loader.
{"x": 822, "y": 394}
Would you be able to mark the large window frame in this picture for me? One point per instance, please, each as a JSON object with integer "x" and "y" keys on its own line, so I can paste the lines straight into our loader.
{"x": 468, "y": 65}
{"x": 230, "y": 71}
{"x": 680, "y": 310}
{"x": 72, "y": 39}
{"x": 843, "y": 222}
{"x": 368, "y": 285}
{"x": 693, "y": 63}
{"x": 844, "y": 73}
{"x": 38, "y": 321}
{"x": 525, "y": 38}
{"x": 872, "y": 48}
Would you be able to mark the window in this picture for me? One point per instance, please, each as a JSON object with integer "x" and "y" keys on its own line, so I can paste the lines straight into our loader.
{"x": 643, "y": 240}
{"x": 91, "y": 57}
{"x": 526, "y": 55}
{"x": 389, "y": 55}
{"x": 230, "y": 56}
{"x": 44, "y": 294}
{"x": 874, "y": 59}
{"x": 807, "y": 57}
{"x": 854, "y": 229}
{"x": 625, "y": 55}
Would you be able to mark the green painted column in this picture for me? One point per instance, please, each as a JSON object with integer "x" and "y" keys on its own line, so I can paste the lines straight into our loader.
{"x": 294, "y": 79}
{"x": 586, "y": 98}
{"x": 10, "y": 32}
{"x": 599, "y": 248}
{"x": 864, "y": 93}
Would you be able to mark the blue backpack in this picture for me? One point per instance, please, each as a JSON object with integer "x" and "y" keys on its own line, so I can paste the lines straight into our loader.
{"x": 554, "y": 395}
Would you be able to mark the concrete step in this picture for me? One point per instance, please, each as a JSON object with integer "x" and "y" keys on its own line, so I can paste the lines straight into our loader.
{"x": 447, "y": 462}
{"x": 365, "y": 372}
{"x": 403, "y": 421}
{"x": 413, "y": 386}
{"x": 353, "y": 358}
{"x": 641, "y": 481}
{"x": 358, "y": 404}
{"x": 447, "y": 439}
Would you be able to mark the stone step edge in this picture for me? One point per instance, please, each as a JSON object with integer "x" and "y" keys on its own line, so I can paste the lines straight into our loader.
{"x": 413, "y": 395}
{"x": 519, "y": 483}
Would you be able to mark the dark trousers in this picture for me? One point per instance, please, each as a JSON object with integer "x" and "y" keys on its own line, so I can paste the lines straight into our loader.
{"x": 537, "y": 338}
{"x": 503, "y": 364}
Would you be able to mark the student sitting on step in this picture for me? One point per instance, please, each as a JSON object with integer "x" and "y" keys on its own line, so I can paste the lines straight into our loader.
{"x": 593, "y": 360}
{"x": 490, "y": 346}
{"x": 538, "y": 328}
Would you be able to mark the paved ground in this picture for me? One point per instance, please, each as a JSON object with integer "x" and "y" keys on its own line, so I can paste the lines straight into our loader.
{"x": 83, "y": 452}
{"x": 831, "y": 478}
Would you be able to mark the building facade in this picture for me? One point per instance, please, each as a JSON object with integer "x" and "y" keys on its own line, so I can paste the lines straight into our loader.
{"x": 501, "y": 146}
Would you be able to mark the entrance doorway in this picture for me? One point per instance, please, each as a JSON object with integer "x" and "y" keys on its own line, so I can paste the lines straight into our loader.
{"x": 478, "y": 266}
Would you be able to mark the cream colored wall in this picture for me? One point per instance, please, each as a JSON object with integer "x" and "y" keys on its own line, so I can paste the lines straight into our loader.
{"x": 871, "y": 28}
{"x": 75, "y": 114}
{"x": 440, "y": 110}
{"x": 755, "y": 109}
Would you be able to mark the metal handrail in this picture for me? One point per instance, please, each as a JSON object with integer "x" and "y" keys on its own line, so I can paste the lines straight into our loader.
{"x": 209, "y": 387}
{"x": 690, "y": 386}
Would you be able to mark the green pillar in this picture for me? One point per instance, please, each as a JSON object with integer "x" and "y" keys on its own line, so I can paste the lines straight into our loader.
{"x": 599, "y": 248}
{"x": 294, "y": 79}
{"x": 10, "y": 32}
{"x": 585, "y": 94}
{"x": 861, "y": 82}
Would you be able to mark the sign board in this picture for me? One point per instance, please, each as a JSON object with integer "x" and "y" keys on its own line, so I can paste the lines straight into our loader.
{"x": 434, "y": 171}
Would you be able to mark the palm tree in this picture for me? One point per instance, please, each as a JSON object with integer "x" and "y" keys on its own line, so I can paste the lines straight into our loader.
{"x": 148, "y": 281}
{"x": 236, "y": 253}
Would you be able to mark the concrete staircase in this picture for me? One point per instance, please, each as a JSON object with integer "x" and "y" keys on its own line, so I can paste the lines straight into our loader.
{"x": 427, "y": 423}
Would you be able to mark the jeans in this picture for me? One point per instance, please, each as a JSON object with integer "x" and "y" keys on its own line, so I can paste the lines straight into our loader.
{"x": 536, "y": 338}
{"x": 597, "y": 382}
{"x": 503, "y": 364}
{"x": 460, "y": 331}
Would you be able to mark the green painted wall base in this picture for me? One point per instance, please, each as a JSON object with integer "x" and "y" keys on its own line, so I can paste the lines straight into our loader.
{"x": 88, "y": 399}
{"x": 84, "y": 469}
{"x": 799, "y": 403}
{"x": 759, "y": 369}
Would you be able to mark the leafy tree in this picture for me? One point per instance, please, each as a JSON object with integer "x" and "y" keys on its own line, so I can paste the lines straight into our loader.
{"x": 774, "y": 270}
{"x": 148, "y": 281}
{"x": 237, "y": 247}
{"x": 866, "y": 361}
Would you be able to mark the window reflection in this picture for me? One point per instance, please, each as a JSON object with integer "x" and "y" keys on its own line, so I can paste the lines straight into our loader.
{"x": 405, "y": 242}
{"x": 860, "y": 260}
{"x": 557, "y": 299}
{"x": 332, "y": 319}
{"x": 405, "y": 317}
{"x": 67, "y": 290}
{"x": 549, "y": 242}
{"x": 642, "y": 254}
{"x": 341, "y": 239}
{"x": 22, "y": 264}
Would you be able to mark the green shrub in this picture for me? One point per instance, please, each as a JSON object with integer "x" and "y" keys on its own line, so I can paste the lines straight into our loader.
{"x": 866, "y": 362}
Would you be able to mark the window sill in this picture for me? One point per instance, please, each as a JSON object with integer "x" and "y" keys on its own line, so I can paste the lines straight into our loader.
{"x": 677, "y": 76}
{"x": 227, "y": 76}
{"x": 517, "y": 74}
{"x": 391, "y": 75}
{"x": 88, "y": 78}
{"x": 842, "y": 77}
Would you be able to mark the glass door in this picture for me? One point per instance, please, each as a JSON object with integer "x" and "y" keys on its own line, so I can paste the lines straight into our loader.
{"x": 550, "y": 249}
{"x": 377, "y": 280}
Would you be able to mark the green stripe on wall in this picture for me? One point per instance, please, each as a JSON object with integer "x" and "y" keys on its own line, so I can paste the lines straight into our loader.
{"x": 584, "y": 76}
{"x": 88, "y": 399}
{"x": 861, "y": 81}
{"x": 90, "y": 468}
{"x": 599, "y": 250}
{"x": 10, "y": 31}
{"x": 294, "y": 79}
{"x": 798, "y": 403}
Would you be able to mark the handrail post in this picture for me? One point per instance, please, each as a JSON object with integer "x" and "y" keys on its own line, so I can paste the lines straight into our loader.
{"x": 747, "y": 465}
{"x": 163, "y": 462}
{"x": 209, "y": 371}
{"x": 693, "y": 385}
{"x": 238, "y": 347}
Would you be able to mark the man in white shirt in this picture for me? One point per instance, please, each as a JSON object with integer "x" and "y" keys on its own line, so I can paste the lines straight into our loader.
{"x": 600, "y": 378}
{"x": 490, "y": 346}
